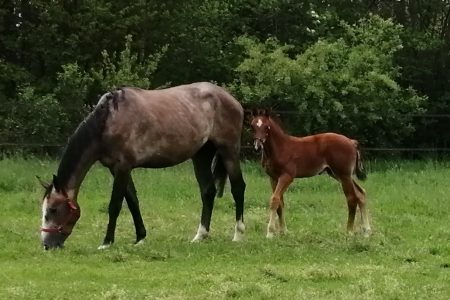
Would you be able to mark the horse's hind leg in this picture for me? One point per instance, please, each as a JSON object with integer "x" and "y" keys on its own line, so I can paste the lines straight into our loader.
{"x": 352, "y": 200}
{"x": 232, "y": 164}
{"x": 202, "y": 166}
{"x": 133, "y": 206}
{"x": 275, "y": 202}
{"x": 363, "y": 210}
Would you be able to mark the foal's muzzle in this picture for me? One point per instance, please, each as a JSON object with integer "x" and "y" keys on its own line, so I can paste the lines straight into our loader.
{"x": 258, "y": 144}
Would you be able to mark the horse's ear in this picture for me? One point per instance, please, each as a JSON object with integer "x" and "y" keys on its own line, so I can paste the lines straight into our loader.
{"x": 46, "y": 185}
{"x": 248, "y": 116}
{"x": 267, "y": 112}
{"x": 56, "y": 183}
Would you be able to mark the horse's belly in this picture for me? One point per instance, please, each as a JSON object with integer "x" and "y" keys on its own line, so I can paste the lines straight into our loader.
{"x": 166, "y": 156}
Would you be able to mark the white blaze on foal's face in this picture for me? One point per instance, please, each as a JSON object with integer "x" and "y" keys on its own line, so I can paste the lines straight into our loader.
{"x": 259, "y": 122}
{"x": 260, "y": 128}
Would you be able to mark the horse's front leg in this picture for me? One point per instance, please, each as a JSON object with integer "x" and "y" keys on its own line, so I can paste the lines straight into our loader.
{"x": 120, "y": 184}
{"x": 133, "y": 206}
{"x": 275, "y": 202}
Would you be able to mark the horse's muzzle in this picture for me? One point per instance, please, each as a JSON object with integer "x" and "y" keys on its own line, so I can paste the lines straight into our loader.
{"x": 258, "y": 144}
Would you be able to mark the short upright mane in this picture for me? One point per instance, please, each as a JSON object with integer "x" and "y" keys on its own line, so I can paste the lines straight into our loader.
{"x": 87, "y": 133}
{"x": 273, "y": 117}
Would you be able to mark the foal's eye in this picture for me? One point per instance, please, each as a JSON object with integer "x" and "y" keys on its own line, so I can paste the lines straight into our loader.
{"x": 52, "y": 210}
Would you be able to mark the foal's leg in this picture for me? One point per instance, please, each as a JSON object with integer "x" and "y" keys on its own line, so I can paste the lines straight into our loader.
{"x": 362, "y": 208}
{"x": 120, "y": 184}
{"x": 232, "y": 165}
{"x": 275, "y": 202}
{"x": 352, "y": 200}
{"x": 133, "y": 206}
{"x": 280, "y": 209}
{"x": 202, "y": 167}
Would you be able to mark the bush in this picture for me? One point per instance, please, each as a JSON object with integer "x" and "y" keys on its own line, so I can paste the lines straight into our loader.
{"x": 36, "y": 118}
{"x": 346, "y": 85}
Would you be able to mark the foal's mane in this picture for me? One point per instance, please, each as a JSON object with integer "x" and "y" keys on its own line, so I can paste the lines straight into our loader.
{"x": 275, "y": 118}
{"x": 88, "y": 132}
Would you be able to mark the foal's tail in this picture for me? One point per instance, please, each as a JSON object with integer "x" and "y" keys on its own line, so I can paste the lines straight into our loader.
{"x": 359, "y": 170}
{"x": 219, "y": 174}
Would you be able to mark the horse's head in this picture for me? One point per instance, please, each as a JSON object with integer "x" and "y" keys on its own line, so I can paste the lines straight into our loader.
{"x": 261, "y": 127}
{"x": 59, "y": 215}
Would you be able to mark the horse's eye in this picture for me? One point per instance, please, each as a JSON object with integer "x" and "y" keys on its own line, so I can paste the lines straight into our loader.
{"x": 52, "y": 210}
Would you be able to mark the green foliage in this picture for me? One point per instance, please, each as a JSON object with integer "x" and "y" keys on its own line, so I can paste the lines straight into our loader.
{"x": 126, "y": 69}
{"x": 401, "y": 44}
{"x": 35, "y": 118}
{"x": 346, "y": 85}
{"x": 72, "y": 89}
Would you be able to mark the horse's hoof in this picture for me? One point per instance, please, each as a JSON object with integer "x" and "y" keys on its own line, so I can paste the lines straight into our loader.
{"x": 270, "y": 235}
{"x": 238, "y": 237}
{"x": 139, "y": 243}
{"x": 104, "y": 246}
{"x": 202, "y": 234}
{"x": 198, "y": 239}
{"x": 239, "y": 230}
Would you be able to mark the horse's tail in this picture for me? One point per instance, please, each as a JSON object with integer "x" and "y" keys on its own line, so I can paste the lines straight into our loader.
{"x": 359, "y": 170}
{"x": 219, "y": 174}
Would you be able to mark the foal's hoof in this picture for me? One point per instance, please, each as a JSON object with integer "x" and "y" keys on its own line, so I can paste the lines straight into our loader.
{"x": 366, "y": 233}
{"x": 104, "y": 246}
{"x": 270, "y": 235}
{"x": 284, "y": 231}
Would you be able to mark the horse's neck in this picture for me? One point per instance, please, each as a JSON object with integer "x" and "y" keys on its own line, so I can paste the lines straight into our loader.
{"x": 277, "y": 139}
{"x": 75, "y": 174}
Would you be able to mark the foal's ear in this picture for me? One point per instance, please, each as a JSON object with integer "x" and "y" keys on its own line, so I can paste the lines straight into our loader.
{"x": 248, "y": 116}
{"x": 46, "y": 185}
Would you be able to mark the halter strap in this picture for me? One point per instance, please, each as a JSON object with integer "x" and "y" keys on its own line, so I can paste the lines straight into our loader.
{"x": 60, "y": 229}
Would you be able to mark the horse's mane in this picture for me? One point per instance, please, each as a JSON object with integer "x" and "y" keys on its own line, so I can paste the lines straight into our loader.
{"x": 88, "y": 132}
{"x": 270, "y": 114}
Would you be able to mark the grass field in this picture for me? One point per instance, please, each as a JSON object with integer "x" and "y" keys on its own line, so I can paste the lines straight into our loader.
{"x": 407, "y": 257}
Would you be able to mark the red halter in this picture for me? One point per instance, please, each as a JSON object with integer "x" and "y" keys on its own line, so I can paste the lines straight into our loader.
{"x": 60, "y": 229}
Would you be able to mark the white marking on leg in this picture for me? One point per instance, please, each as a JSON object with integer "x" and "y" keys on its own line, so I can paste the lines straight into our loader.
{"x": 104, "y": 246}
{"x": 283, "y": 227}
{"x": 271, "y": 227}
{"x": 239, "y": 230}
{"x": 141, "y": 242}
{"x": 366, "y": 230}
{"x": 202, "y": 233}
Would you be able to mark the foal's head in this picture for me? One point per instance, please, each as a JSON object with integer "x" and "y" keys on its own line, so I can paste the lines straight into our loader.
{"x": 59, "y": 215}
{"x": 261, "y": 127}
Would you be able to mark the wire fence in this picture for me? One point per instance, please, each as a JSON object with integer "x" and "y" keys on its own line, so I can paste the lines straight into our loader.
{"x": 246, "y": 147}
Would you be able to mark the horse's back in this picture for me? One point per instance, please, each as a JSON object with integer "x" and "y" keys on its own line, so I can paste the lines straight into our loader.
{"x": 169, "y": 125}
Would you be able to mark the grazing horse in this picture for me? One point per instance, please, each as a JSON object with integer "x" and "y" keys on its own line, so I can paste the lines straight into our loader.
{"x": 131, "y": 128}
{"x": 286, "y": 157}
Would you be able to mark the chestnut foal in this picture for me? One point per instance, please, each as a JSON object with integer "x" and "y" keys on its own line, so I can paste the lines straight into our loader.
{"x": 286, "y": 157}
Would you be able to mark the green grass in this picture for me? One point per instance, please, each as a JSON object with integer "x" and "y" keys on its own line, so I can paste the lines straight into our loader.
{"x": 407, "y": 257}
